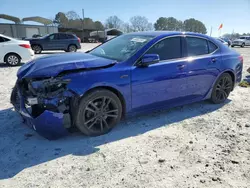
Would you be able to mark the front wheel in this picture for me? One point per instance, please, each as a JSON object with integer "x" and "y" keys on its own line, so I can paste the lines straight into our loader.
{"x": 98, "y": 112}
{"x": 222, "y": 88}
{"x": 243, "y": 45}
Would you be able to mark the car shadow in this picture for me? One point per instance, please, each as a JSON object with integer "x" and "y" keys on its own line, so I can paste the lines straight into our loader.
{"x": 22, "y": 147}
{"x": 4, "y": 65}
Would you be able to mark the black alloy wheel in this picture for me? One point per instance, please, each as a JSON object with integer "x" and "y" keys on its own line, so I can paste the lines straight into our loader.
{"x": 98, "y": 112}
{"x": 222, "y": 88}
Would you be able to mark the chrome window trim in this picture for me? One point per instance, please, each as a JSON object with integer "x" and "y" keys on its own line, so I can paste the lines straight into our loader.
{"x": 182, "y": 58}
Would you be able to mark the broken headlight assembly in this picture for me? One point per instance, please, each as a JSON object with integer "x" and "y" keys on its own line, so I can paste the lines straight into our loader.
{"x": 48, "y": 88}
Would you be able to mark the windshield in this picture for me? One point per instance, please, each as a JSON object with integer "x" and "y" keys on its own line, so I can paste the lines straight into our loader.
{"x": 122, "y": 47}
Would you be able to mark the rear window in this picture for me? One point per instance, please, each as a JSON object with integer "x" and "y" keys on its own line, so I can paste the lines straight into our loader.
{"x": 196, "y": 46}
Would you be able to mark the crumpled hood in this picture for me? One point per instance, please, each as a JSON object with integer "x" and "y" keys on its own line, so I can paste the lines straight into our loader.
{"x": 49, "y": 66}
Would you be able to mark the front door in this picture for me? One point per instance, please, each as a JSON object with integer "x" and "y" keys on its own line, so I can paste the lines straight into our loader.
{"x": 161, "y": 83}
{"x": 52, "y": 42}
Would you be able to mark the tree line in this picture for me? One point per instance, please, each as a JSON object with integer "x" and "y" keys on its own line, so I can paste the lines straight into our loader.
{"x": 234, "y": 35}
{"x": 136, "y": 23}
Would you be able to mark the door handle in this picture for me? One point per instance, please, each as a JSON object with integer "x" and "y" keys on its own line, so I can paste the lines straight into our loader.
{"x": 213, "y": 60}
{"x": 180, "y": 67}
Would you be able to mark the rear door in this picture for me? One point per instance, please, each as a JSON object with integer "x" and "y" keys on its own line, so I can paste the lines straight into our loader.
{"x": 64, "y": 41}
{"x": 203, "y": 68}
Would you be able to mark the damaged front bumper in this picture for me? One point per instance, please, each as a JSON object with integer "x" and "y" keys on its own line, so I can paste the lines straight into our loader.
{"x": 52, "y": 122}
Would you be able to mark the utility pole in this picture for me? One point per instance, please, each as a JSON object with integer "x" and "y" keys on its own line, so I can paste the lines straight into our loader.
{"x": 83, "y": 25}
{"x": 211, "y": 31}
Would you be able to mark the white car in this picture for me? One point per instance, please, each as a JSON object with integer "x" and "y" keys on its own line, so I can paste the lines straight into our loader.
{"x": 13, "y": 51}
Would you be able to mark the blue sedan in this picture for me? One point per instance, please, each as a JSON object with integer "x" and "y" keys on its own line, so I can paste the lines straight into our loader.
{"x": 132, "y": 74}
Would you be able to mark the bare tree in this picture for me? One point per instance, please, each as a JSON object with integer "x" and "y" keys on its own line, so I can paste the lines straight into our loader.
{"x": 127, "y": 28}
{"x": 72, "y": 15}
{"x": 140, "y": 23}
{"x": 114, "y": 22}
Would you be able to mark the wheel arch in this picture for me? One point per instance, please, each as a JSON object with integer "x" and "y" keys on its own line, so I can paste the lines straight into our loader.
{"x": 9, "y": 53}
{"x": 37, "y": 45}
{"x": 115, "y": 91}
{"x": 229, "y": 71}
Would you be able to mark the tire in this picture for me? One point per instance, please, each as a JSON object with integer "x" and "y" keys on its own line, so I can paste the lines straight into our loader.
{"x": 37, "y": 49}
{"x": 12, "y": 59}
{"x": 232, "y": 46}
{"x": 72, "y": 48}
{"x": 222, "y": 88}
{"x": 98, "y": 112}
{"x": 243, "y": 45}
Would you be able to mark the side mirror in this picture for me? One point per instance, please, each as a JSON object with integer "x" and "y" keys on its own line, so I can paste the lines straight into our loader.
{"x": 149, "y": 59}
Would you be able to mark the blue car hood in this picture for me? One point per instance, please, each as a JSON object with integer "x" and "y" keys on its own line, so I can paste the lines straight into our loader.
{"x": 53, "y": 65}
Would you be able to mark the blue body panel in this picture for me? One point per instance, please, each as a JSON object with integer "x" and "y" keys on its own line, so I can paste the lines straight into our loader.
{"x": 164, "y": 84}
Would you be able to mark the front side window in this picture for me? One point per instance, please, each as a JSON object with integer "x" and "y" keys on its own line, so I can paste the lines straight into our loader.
{"x": 53, "y": 37}
{"x": 242, "y": 37}
{"x": 196, "y": 46}
{"x": 121, "y": 48}
{"x": 169, "y": 48}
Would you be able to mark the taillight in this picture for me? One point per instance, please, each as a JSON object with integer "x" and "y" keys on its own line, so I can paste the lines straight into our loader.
{"x": 24, "y": 45}
{"x": 241, "y": 58}
{"x": 79, "y": 40}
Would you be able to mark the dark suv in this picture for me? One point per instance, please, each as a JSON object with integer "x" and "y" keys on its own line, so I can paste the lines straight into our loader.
{"x": 56, "y": 41}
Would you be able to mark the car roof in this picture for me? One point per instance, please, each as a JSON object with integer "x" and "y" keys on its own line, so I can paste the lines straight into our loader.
{"x": 167, "y": 33}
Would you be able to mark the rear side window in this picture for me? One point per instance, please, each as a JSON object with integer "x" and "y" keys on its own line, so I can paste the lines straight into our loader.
{"x": 2, "y": 39}
{"x": 169, "y": 48}
{"x": 196, "y": 46}
{"x": 70, "y": 36}
{"x": 62, "y": 36}
{"x": 212, "y": 47}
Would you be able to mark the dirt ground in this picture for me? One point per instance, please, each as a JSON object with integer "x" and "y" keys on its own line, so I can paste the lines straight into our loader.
{"x": 198, "y": 145}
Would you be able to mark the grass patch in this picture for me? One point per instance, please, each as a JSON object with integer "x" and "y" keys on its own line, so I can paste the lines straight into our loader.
{"x": 244, "y": 84}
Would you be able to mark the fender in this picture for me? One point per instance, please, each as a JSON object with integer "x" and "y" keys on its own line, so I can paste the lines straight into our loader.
{"x": 209, "y": 93}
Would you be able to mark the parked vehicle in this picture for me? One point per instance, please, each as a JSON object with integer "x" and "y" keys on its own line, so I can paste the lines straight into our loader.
{"x": 13, "y": 51}
{"x": 130, "y": 74}
{"x": 242, "y": 41}
{"x": 229, "y": 42}
{"x": 36, "y": 36}
{"x": 222, "y": 41}
{"x": 57, "y": 41}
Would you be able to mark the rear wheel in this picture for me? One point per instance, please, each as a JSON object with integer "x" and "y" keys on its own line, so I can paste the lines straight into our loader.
{"x": 232, "y": 46}
{"x": 222, "y": 88}
{"x": 98, "y": 112}
{"x": 72, "y": 48}
{"x": 13, "y": 59}
{"x": 37, "y": 49}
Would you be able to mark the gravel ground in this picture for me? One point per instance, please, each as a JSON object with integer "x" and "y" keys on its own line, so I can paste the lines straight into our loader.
{"x": 198, "y": 145}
